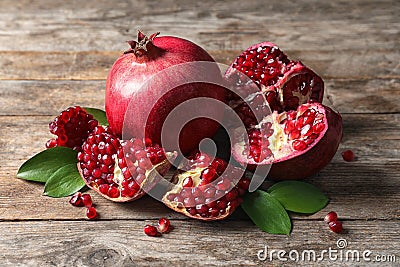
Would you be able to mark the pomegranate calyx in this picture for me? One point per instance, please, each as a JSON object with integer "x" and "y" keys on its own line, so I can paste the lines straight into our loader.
{"x": 142, "y": 45}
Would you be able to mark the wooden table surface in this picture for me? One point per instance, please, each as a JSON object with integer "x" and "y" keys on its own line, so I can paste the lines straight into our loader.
{"x": 54, "y": 54}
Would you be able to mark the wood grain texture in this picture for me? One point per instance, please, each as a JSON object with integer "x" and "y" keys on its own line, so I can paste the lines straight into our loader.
{"x": 123, "y": 243}
{"x": 218, "y": 25}
{"x": 94, "y": 65}
{"x": 50, "y": 97}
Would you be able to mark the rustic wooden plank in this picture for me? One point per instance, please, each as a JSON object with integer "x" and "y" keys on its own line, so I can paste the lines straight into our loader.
{"x": 373, "y": 178}
{"x": 191, "y": 243}
{"x": 312, "y": 25}
{"x": 346, "y": 187}
{"x": 94, "y": 65}
{"x": 50, "y": 97}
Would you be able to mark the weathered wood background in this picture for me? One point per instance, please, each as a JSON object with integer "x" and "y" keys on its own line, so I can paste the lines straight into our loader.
{"x": 54, "y": 54}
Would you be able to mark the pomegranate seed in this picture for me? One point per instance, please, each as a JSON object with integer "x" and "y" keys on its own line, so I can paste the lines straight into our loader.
{"x": 208, "y": 174}
{"x": 72, "y": 128}
{"x": 319, "y": 127}
{"x": 150, "y": 230}
{"x": 91, "y": 213}
{"x": 76, "y": 200}
{"x": 299, "y": 145}
{"x": 244, "y": 184}
{"x": 348, "y": 155}
{"x": 336, "y": 226}
{"x": 87, "y": 200}
{"x": 113, "y": 192}
{"x": 187, "y": 182}
{"x": 164, "y": 225}
{"x": 331, "y": 217}
{"x": 224, "y": 184}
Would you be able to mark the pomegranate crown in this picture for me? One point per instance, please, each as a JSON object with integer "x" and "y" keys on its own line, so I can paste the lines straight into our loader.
{"x": 141, "y": 46}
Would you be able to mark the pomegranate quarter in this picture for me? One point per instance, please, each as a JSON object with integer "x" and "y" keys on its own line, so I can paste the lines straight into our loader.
{"x": 121, "y": 170}
{"x": 208, "y": 190}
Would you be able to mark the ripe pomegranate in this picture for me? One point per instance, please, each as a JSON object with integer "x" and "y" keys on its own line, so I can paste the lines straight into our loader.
{"x": 121, "y": 170}
{"x": 286, "y": 84}
{"x": 71, "y": 127}
{"x": 147, "y": 58}
{"x": 207, "y": 190}
{"x": 297, "y": 143}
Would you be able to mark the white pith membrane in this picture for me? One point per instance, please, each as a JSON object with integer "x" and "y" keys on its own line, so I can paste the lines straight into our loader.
{"x": 199, "y": 189}
{"x": 119, "y": 177}
{"x": 278, "y": 144}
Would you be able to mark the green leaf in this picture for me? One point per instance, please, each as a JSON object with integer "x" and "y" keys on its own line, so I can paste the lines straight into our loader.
{"x": 267, "y": 213}
{"x": 64, "y": 182}
{"x": 41, "y": 166}
{"x": 98, "y": 114}
{"x": 298, "y": 196}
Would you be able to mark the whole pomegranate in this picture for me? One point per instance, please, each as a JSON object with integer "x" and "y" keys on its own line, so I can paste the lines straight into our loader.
{"x": 137, "y": 80}
{"x": 302, "y": 135}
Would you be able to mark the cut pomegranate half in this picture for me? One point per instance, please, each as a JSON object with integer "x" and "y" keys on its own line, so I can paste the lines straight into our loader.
{"x": 286, "y": 84}
{"x": 297, "y": 143}
{"x": 208, "y": 190}
{"x": 121, "y": 170}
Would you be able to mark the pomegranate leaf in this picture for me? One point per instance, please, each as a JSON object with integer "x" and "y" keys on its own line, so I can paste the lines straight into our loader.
{"x": 41, "y": 166}
{"x": 298, "y": 196}
{"x": 267, "y": 213}
{"x": 98, "y": 114}
{"x": 64, "y": 182}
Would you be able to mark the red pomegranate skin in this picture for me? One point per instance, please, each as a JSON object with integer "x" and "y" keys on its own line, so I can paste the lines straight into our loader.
{"x": 130, "y": 72}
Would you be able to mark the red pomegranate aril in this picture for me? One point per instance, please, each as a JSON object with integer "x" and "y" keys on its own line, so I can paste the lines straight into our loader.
{"x": 299, "y": 145}
{"x": 336, "y": 226}
{"x": 113, "y": 192}
{"x": 76, "y": 200}
{"x": 87, "y": 200}
{"x": 189, "y": 202}
{"x": 348, "y": 155}
{"x": 201, "y": 209}
{"x": 164, "y": 225}
{"x": 224, "y": 184}
{"x": 232, "y": 195}
{"x": 331, "y": 217}
{"x": 91, "y": 213}
{"x": 244, "y": 184}
{"x": 221, "y": 204}
{"x": 319, "y": 127}
{"x": 151, "y": 230}
{"x": 71, "y": 127}
{"x": 294, "y": 134}
{"x": 187, "y": 182}
{"x": 208, "y": 174}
